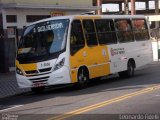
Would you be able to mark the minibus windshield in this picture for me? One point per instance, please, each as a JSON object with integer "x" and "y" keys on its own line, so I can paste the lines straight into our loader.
{"x": 45, "y": 38}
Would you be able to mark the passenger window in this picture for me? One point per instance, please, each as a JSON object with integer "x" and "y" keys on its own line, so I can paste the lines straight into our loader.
{"x": 140, "y": 29}
{"x": 105, "y": 31}
{"x": 90, "y": 32}
{"x": 124, "y": 31}
{"x": 76, "y": 39}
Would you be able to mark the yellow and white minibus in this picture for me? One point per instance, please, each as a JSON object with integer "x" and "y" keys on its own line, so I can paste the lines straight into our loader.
{"x": 74, "y": 49}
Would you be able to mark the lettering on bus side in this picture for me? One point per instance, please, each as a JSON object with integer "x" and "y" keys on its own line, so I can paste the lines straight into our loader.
{"x": 117, "y": 51}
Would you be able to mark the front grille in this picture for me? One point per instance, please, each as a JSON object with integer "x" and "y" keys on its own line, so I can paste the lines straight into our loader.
{"x": 40, "y": 80}
{"x": 45, "y": 70}
{"x": 31, "y": 72}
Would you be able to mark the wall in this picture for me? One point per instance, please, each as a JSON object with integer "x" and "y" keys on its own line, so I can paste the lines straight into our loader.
{"x": 51, "y": 2}
{"x": 154, "y": 17}
{"x": 21, "y": 15}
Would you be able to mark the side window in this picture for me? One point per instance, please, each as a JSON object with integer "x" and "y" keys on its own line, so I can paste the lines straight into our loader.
{"x": 140, "y": 29}
{"x": 90, "y": 32}
{"x": 105, "y": 31}
{"x": 76, "y": 39}
{"x": 124, "y": 30}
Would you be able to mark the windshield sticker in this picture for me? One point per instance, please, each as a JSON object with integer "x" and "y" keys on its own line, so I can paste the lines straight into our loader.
{"x": 23, "y": 50}
{"x": 48, "y": 27}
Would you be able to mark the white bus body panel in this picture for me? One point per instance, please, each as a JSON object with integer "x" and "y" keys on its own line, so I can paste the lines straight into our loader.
{"x": 139, "y": 51}
{"x": 60, "y": 76}
{"x": 56, "y": 77}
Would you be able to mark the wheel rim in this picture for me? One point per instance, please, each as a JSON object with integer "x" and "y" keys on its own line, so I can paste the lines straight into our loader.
{"x": 82, "y": 77}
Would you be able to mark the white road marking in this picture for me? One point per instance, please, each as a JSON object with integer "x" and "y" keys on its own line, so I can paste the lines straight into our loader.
{"x": 11, "y": 108}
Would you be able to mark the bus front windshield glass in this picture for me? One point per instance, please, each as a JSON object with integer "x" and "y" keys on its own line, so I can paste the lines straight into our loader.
{"x": 44, "y": 38}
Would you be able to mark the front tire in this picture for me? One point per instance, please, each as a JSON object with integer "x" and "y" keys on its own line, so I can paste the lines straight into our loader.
{"x": 38, "y": 90}
{"x": 83, "y": 78}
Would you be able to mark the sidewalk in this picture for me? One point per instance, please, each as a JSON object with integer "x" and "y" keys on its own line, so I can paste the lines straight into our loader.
{"x": 9, "y": 86}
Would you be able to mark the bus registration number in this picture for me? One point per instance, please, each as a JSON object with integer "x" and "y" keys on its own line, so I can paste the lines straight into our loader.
{"x": 45, "y": 65}
{"x": 38, "y": 85}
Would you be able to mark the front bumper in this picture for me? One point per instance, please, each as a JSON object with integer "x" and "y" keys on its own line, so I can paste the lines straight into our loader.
{"x": 60, "y": 76}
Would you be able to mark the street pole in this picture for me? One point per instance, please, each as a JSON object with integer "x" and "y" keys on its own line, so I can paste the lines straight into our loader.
{"x": 157, "y": 25}
{"x": 132, "y": 7}
{"x": 126, "y": 8}
{"x": 99, "y": 4}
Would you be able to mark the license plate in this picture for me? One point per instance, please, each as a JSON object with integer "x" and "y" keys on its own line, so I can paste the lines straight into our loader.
{"x": 44, "y": 65}
{"x": 38, "y": 85}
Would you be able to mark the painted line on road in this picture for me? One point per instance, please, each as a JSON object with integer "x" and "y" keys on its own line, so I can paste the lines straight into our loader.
{"x": 104, "y": 103}
{"x": 11, "y": 108}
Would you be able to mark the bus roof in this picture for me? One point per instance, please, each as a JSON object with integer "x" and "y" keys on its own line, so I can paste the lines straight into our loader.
{"x": 89, "y": 17}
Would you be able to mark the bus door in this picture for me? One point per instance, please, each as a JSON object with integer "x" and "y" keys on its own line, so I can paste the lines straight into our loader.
{"x": 77, "y": 49}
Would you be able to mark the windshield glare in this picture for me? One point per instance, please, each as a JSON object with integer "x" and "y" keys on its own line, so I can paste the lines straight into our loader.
{"x": 44, "y": 38}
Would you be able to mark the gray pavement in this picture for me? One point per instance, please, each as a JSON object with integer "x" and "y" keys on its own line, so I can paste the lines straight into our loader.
{"x": 8, "y": 85}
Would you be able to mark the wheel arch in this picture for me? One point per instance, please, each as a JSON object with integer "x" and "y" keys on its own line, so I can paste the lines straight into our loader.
{"x": 132, "y": 61}
{"x": 83, "y": 67}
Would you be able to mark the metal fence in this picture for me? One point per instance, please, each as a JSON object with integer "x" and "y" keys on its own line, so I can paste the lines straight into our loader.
{"x": 155, "y": 33}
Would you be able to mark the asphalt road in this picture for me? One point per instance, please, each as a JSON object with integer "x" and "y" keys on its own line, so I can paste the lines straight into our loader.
{"x": 112, "y": 98}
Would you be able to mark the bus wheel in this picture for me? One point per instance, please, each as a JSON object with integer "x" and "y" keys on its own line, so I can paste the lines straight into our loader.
{"x": 38, "y": 90}
{"x": 83, "y": 78}
{"x": 129, "y": 72}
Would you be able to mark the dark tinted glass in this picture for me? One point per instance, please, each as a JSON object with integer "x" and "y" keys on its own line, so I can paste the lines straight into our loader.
{"x": 105, "y": 31}
{"x": 76, "y": 39}
{"x": 124, "y": 30}
{"x": 90, "y": 32}
{"x": 140, "y": 29}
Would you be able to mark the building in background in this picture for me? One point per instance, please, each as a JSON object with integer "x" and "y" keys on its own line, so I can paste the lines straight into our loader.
{"x": 16, "y": 14}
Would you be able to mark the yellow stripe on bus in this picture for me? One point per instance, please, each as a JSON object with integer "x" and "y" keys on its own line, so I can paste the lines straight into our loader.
{"x": 27, "y": 67}
{"x": 87, "y": 17}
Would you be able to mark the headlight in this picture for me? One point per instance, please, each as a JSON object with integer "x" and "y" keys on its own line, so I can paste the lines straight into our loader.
{"x": 18, "y": 71}
{"x": 59, "y": 65}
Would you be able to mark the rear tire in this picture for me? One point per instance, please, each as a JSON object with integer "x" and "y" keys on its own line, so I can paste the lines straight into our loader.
{"x": 129, "y": 72}
{"x": 83, "y": 78}
{"x": 38, "y": 90}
